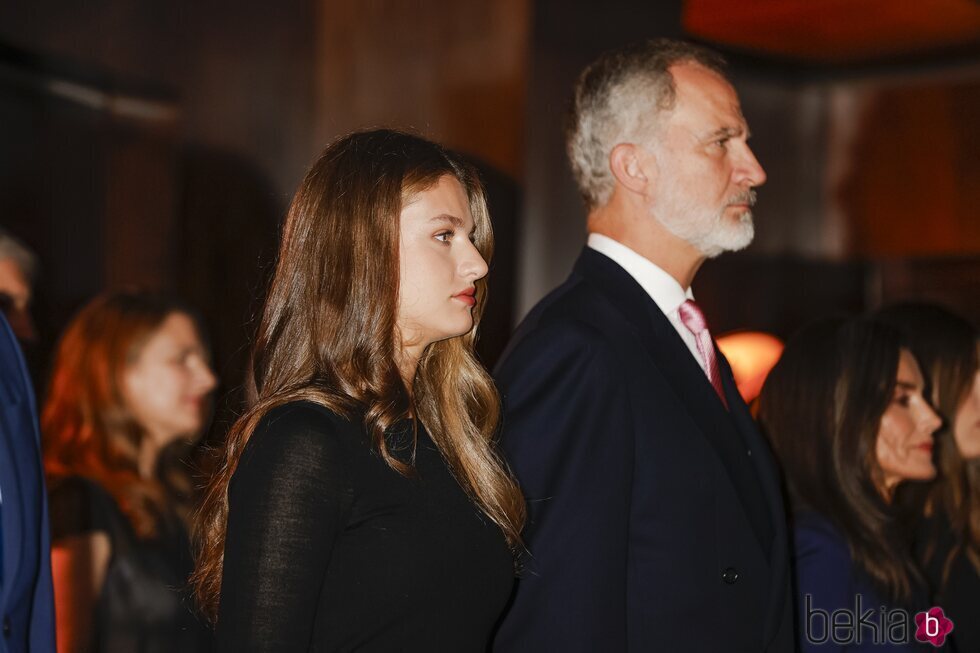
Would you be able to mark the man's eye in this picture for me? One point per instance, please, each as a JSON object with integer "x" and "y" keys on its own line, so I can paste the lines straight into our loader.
{"x": 903, "y": 400}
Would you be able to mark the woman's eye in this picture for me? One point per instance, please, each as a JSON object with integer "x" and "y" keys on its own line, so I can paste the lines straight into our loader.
{"x": 444, "y": 236}
{"x": 903, "y": 400}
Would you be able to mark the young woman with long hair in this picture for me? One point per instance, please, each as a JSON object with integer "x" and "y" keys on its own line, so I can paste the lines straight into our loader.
{"x": 130, "y": 385}
{"x": 947, "y": 510}
{"x": 845, "y": 412}
{"x": 359, "y": 502}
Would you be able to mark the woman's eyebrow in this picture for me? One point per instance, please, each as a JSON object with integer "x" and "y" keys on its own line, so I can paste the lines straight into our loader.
{"x": 445, "y": 217}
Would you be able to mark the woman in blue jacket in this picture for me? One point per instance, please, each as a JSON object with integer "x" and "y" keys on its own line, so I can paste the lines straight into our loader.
{"x": 845, "y": 411}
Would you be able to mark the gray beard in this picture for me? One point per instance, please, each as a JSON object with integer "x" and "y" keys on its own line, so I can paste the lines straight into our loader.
{"x": 710, "y": 234}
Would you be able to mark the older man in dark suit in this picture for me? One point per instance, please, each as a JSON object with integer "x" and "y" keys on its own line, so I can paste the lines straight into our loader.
{"x": 656, "y": 522}
{"x": 26, "y": 605}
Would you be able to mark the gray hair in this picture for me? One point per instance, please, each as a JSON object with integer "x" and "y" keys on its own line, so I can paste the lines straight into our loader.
{"x": 612, "y": 104}
{"x": 13, "y": 249}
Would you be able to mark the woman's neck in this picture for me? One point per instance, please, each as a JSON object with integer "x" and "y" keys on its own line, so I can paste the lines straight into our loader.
{"x": 146, "y": 458}
{"x": 407, "y": 360}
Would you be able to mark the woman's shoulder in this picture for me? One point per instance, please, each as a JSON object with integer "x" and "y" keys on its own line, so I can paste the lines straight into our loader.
{"x": 304, "y": 416}
{"x": 301, "y": 432}
{"x": 815, "y": 536}
{"x": 79, "y": 505}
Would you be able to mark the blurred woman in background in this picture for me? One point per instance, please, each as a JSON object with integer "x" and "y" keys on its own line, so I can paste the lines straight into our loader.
{"x": 131, "y": 379}
{"x": 360, "y": 503}
{"x": 845, "y": 412}
{"x": 948, "y": 509}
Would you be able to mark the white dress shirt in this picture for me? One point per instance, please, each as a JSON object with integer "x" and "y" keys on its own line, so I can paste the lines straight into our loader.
{"x": 663, "y": 289}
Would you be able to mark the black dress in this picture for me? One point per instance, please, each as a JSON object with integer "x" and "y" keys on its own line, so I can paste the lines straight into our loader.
{"x": 145, "y": 605}
{"x": 329, "y": 549}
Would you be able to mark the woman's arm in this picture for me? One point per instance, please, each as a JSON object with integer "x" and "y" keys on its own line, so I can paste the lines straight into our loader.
{"x": 288, "y": 501}
{"x": 78, "y": 565}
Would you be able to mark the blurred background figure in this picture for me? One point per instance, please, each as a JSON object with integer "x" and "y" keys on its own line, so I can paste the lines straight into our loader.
{"x": 18, "y": 265}
{"x": 948, "y": 509}
{"x": 845, "y": 412}
{"x": 131, "y": 382}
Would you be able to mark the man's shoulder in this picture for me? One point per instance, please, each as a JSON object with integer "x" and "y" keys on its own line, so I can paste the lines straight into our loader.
{"x": 576, "y": 306}
{"x": 573, "y": 325}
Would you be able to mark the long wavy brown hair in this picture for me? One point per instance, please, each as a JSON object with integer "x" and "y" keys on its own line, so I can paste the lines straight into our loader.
{"x": 821, "y": 407}
{"x": 946, "y": 346}
{"x": 86, "y": 427}
{"x": 328, "y": 332}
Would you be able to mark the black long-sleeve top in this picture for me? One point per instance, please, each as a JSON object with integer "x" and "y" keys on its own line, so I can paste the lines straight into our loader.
{"x": 329, "y": 549}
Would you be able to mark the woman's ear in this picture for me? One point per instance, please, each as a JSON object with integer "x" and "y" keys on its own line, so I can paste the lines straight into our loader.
{"x": 632, "y": 166}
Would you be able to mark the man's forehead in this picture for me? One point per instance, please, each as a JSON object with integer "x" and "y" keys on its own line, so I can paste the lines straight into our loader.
{"x": 705, "y": 92}
{"x": 694, "y": 79}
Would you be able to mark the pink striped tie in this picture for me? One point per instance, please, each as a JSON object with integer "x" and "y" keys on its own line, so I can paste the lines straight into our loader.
{"x": 693, "y": 319}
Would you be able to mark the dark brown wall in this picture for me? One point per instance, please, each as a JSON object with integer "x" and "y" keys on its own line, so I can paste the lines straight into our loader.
{"x": 186, "y": 190}
{"x": 112, "y": 195}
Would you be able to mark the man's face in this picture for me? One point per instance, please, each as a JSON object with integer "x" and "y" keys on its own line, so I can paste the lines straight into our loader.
{"x": 705, "y": 169}
{"x": 15, "y": 299}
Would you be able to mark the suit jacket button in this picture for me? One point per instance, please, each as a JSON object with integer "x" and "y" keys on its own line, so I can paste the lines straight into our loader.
{"x": 730, "y": 575}
{"x": 6, "y": 626}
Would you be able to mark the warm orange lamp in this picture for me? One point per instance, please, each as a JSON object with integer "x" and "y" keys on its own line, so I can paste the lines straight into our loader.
{"x": 751, "y": 354}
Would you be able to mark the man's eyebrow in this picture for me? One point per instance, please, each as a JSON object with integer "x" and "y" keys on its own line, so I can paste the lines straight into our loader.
{"x": 445, "y": 217}
{"x": 727, "y": 132}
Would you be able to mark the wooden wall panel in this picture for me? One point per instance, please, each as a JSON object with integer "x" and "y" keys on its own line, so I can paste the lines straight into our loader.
{"x": 913, "y": 185}
{"x": 454, "y": 71}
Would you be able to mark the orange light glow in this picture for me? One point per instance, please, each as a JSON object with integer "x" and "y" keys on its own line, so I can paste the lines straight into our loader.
{"x": 834, "y": 31}
{"x": 751, "y": 354}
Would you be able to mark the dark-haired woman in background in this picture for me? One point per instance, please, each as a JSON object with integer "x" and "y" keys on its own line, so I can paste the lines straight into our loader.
{"x": 948, "y": 533}
{"x": 131, "y": 379}
{"x": 360, "y": 504}
{"x": 844, "y": 410}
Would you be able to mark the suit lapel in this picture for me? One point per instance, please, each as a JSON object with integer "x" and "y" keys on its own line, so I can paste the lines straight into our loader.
{"x": 766, "y": 468}
{"x": 670, "y": 354}
{"x": 765, "y": 464}
{"x": 728, "y": 433}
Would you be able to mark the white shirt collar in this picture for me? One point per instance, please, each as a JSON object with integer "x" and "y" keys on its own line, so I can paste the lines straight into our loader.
{"x": 664, "y": 289}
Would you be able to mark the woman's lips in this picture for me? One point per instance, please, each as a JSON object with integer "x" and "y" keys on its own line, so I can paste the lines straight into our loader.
{"x": 467, "y": 296}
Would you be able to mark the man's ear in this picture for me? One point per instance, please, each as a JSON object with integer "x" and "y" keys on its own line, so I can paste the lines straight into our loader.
{"x": 632, "y": 167}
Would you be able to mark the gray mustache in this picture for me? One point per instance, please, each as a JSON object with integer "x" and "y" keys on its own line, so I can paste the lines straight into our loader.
{"x": 745, "y": 197}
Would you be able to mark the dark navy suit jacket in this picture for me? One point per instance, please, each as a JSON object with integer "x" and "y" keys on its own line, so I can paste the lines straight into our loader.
{"x": 656, "y": 521}
{"x": 26, "y": 604}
